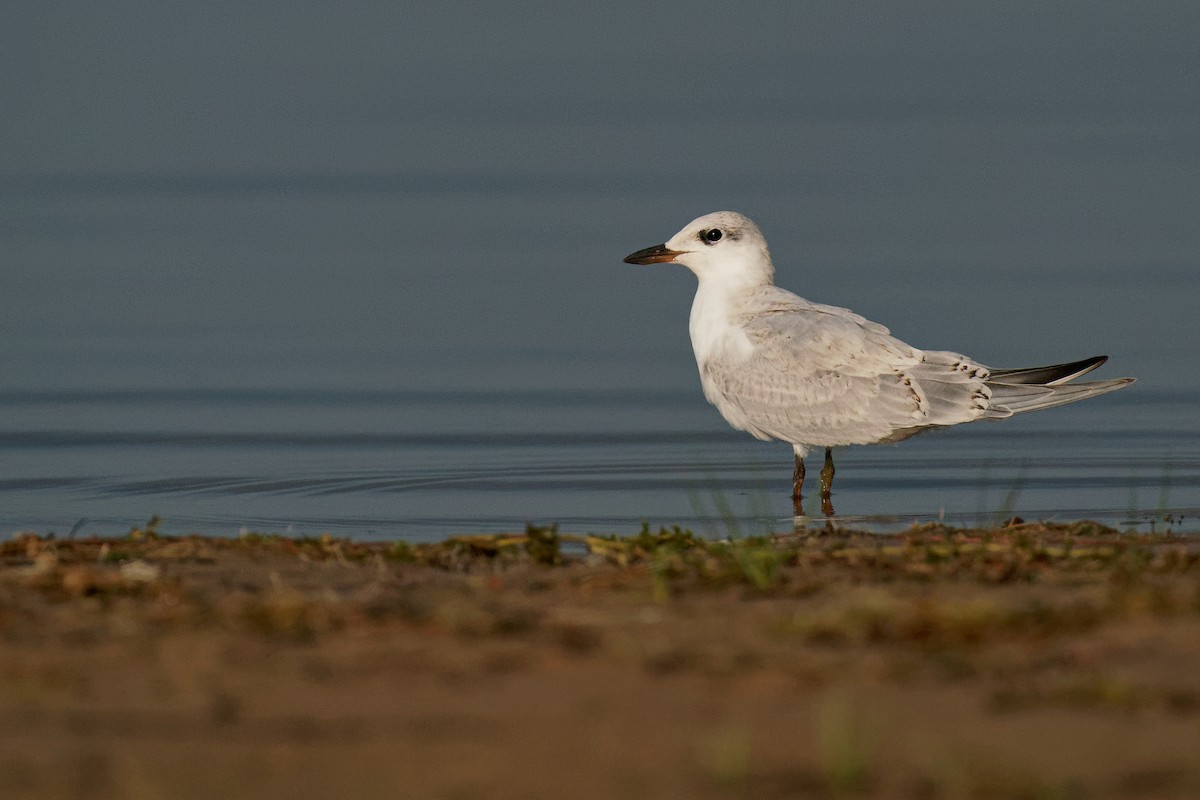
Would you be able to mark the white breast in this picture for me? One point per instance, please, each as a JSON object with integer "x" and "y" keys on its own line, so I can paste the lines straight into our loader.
{"x": 713, "y": 334}
{"x": 715, "y": 337}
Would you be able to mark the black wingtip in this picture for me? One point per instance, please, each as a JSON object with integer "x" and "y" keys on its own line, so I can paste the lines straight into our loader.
{"x": 1054, "y": 374}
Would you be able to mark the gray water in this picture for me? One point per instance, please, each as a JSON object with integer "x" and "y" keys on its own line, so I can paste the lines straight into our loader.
{"x": 362, "y": 274}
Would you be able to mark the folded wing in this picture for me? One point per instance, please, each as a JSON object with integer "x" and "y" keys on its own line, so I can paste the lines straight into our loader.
{"x": 823, "y": 376}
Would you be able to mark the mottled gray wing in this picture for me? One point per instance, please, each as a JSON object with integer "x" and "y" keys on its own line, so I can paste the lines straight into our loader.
{"x": 822, "y": 375}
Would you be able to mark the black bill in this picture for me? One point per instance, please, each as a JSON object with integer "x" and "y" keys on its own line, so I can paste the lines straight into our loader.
{"x": 652, "y": 255}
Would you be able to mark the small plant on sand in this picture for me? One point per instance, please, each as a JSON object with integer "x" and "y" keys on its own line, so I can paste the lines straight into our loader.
{"x": 757, "y": 560}
{"x": 543, "y": 544}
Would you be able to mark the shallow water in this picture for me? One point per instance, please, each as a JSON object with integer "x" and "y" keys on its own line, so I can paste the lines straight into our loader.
{"x": 399, "y": 310}
{"x": 424, "y": 462}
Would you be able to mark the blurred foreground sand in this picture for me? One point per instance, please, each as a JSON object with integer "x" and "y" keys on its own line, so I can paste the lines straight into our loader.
{"x": 1030, "y": 661}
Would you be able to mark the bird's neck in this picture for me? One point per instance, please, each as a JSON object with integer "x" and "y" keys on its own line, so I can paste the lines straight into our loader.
{"x": 711, "y": 324}
{"x": 724, "y": 292}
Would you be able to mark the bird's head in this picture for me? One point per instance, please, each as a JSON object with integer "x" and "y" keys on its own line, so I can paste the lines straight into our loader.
{"x": 723, "y": 246}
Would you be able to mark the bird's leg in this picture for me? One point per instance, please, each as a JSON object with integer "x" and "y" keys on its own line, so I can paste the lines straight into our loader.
{"x": 827, "y": 473}
{"x": 797, "y": 477}
{"x": 827, "y": 483}
{"x": 797, "y": 483}
{"x": 827, "y": 508}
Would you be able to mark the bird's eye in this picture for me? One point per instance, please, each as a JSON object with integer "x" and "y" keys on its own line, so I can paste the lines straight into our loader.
{"x": 712, "y": 236}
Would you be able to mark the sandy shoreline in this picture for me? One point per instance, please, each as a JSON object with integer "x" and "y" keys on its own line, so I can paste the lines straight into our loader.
{"x": 1028, "y": 661}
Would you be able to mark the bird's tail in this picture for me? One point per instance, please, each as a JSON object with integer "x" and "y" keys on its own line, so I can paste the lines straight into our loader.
{"x": 1016, "y": 391}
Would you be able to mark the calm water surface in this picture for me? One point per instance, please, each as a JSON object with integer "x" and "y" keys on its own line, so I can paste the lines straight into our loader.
{"x": 333, "y": 437}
